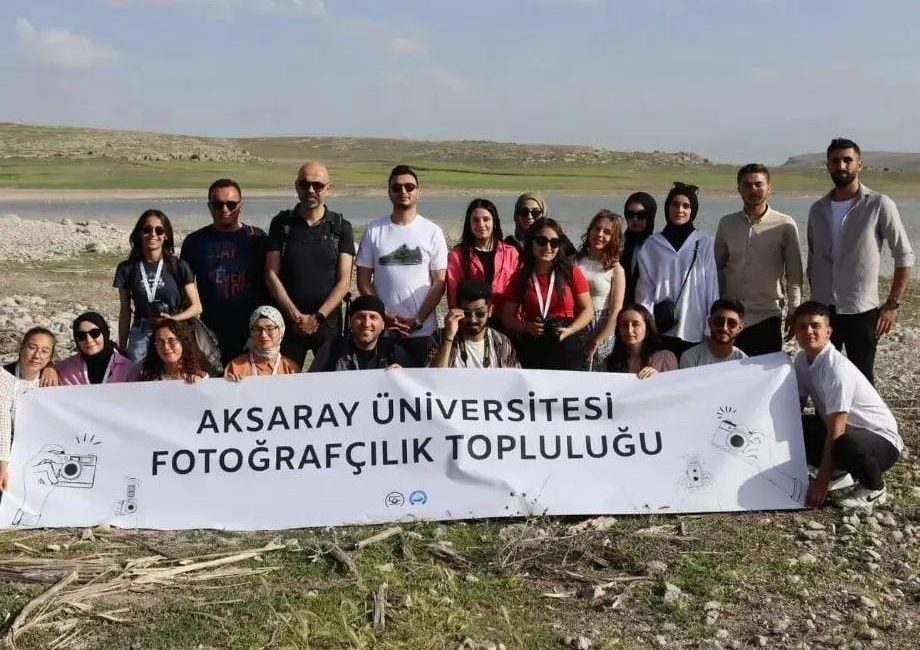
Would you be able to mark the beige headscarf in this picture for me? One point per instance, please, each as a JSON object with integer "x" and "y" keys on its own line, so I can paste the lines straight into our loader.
{"x": 532, "y": 196}
{"x": 272, "y": 314}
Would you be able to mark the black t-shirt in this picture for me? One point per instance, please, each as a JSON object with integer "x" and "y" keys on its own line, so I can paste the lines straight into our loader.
{"x": 169, "y": 288}
{"x": 310, "y": 254}
{"x": 487, "y": 258}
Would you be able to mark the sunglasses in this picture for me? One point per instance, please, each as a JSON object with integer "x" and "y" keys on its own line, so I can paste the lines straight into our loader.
{"x": 636, "y": 215}
{"x": 397, "y": 188}
{"x": 159, "y": 231}
{"x": 316, "y": 186}
{"x": 479, "y": 314}
{"x": 534, "y": 213}
{"x": 94, "y": 333}
{"x": 724, "y": 321}
{"x": 217, "y": 206}
{"x": 542, "y": 241}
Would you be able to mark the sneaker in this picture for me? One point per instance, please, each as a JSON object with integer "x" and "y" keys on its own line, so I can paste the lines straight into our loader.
{"x": 862, "y": 498}
{"x": 840, "y": 480}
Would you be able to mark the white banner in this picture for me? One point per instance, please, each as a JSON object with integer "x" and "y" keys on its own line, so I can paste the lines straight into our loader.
{"x": 374, "y": 446}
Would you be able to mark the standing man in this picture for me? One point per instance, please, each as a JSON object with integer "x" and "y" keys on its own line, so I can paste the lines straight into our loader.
{"x": 845, "y": 232}
{"x": 726, "y": 324}
{"x": 311, "y": 250}
{"x": 853, "y": 434}
{"x": 228, "y": 260}
{"x": 403, "y": 260}
{"x": 759, "y": 263}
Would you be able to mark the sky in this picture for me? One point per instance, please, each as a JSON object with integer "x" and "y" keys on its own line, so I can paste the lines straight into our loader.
{"x": 733, "y": 80}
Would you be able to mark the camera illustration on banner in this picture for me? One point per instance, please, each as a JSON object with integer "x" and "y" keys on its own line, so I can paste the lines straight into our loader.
{"x": 51, "y": 468}
{"x": 738, "y": 440}
{"x": 696, "y": 474}
{"x": 128, "y": 505}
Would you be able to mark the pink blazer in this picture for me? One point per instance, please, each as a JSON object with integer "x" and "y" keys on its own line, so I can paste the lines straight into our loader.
{"x": 73, "y": 372}
{"x": 506, "y": 263}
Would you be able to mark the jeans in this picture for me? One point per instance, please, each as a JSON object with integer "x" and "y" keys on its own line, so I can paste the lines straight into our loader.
{"x": 139, "y": 337}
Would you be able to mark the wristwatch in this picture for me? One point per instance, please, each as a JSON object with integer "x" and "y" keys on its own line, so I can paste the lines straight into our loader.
{"x": 416, "y": 325}
{"x": 891, "y": 304}
{"x": 320, "y": 317}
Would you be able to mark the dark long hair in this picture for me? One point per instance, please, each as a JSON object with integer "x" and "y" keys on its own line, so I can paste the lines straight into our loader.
{"x": 169, "y": 244}
{"x": 611, "y": 254}
{"x": 561, "y": 267}
{"x": 468, "y": 239}
{"x": 618, "y": 361}
{"x": 153, "y": 368}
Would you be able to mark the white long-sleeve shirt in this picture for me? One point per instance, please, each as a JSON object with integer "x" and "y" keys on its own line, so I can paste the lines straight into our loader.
{"x": 662, "y": 271}
{"x": 11, "y": 389}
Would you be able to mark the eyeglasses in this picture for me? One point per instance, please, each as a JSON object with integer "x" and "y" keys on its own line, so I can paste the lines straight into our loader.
{"x": 478, "y": 314}
{"x": 316, "y": 186}
{"x": 159, "y": 231}
{"x": 533, "y": 213}
{"x": 724, "y": 321}
{"x": 94, "y": 333}
{"x": 636, "y": 215}
{"x": 217, "y": 206}
{"x": 542, "y": 241}
{"x": 264, "y": 329}
{"x": 397, "y": 188}
{"x": 171, "y": 342}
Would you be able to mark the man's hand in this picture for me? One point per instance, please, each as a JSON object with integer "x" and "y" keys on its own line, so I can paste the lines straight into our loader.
{"x": 452, "y": 323}
{"x": 817, "y": 492}
{"x": 308, "y": 324}
{"x": 886, "y": 318}
{"x": 400, "y": 325}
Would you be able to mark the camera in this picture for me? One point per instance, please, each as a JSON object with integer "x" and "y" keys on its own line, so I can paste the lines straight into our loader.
{"x": 77, "y": 471}
{"x": 128, "y": 505}
{"x": 738, "y": 440}
{"x": 158, "y": 307}
{"x": 552, "y": 327}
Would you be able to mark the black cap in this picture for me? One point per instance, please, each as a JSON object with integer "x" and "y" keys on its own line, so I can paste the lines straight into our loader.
{"x": 367, "y": 303}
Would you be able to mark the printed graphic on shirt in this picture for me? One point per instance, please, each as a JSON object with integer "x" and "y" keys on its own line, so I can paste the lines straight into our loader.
{"x": 402, "y": 256}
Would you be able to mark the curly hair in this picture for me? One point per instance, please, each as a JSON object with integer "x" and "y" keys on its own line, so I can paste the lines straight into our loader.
{"x": 561, "y": 266}
{"x": 153, "y": 368}
{"x": 613, "y": 250}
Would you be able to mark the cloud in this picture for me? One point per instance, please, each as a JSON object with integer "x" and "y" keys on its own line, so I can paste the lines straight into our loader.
{"x": 60, "y": 48}
{"x": 230, "y": 8}
{"x": 407, "y": 47}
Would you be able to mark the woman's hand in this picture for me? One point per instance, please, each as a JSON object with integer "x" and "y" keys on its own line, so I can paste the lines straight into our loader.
{"x": 49, "y": 377}
{"x": 235, "y": 378}
{"x": 533, "y": 328}
{"x": 564, "y": 333}
{"x": 591, "y": 348}
{"x": 4, "y": 475}
{"x": 646, "y": 372}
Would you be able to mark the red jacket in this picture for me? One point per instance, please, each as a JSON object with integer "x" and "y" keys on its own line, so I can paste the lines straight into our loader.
{"x": 506, "y": 263}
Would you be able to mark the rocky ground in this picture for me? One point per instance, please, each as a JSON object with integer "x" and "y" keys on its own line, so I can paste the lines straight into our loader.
{"x": 803, "y": 580}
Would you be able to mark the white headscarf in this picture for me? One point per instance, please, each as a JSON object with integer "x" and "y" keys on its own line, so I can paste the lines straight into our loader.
{"x": 272, "y": 314}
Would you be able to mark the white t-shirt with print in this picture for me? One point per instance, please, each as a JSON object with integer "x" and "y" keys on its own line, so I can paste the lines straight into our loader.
{"x": 402, "y": 258}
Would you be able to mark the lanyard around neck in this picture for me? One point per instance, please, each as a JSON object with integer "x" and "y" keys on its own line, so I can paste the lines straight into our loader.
{"x": 151, "y": 288}
{"x": 542, "y": 303}
{"x": 255, "y": 368}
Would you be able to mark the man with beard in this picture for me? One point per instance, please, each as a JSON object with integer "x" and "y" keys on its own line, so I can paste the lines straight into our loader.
{"x": 308, "y": 266}
{"x": 726, "y": 321}
{"x": 759, "y": 263}
{"x": 363, "y": 348}
{"x": 845, "y": 233}
{"x": 466, "y": 340}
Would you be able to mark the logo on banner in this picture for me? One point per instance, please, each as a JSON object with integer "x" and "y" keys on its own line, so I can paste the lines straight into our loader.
{"x": 395, "y": 500}
{"x": 418, "y": 498}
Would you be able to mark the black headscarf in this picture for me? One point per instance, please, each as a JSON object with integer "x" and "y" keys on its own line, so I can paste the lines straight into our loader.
{"x": 635, "y": 239}
{"x": 97, "y": 363}
{"x": 678, "y": 234}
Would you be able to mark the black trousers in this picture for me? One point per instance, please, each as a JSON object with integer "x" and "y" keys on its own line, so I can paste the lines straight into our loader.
{"x": 855, "y": 335}
{"x": 295, "y": 345}
{"x": 547, "y": 353}
{"x": 762, "y": 338}
{"x": 676, "y": 345}
{"x": 416, "y": 348}
{"x": 863, "y": 454}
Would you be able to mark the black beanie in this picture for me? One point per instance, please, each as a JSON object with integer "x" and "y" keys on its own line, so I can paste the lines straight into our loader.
{"x": 367, "y": 303}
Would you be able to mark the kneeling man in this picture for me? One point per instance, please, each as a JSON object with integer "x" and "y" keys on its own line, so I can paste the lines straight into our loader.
{"x": 853, "y": 434}
{"x": 726, "y": 320}
{"x": 467, "y": 341}
{"x": 362, "y": 348}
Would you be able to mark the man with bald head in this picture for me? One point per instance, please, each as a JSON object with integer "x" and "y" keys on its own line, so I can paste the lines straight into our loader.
{"x": 311, "y": 250}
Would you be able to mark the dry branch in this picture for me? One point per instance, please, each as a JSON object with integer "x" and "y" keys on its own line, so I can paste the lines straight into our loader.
{"x": 35, "y": 603}
{"x": 379, "y": 537}
{"x": 380, "y": 607}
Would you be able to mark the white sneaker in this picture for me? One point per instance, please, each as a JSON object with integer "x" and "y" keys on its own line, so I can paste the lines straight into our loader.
{"x": 863, "y": 498}
{"x": 840, "y": 481}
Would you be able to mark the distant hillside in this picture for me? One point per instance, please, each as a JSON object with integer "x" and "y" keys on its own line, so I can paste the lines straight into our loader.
{"x": 877, "y": 160}
{"x": 43, "y": 142}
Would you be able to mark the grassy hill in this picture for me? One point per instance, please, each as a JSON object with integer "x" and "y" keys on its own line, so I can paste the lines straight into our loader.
{"x": 57, "y": 158}
{"x": 882, "y": 161}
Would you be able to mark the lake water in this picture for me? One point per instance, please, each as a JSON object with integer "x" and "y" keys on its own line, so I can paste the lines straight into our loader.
{"x": 574, "y": 211}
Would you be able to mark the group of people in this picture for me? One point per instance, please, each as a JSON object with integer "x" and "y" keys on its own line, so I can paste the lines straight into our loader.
{"x": 622, "y": 298}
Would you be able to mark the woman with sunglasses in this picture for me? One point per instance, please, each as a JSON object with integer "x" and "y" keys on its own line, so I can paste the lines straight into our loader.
{"x": 481, "y": 255}
{"x": 266, "y": 329}
{"x": 677, "y": 273}
{"x": 96, "y": 361}
{"x": 598, "y": 259}
{"x": 547, "y": 301}
{"x": 16, "y": 379}
{"x": 637, "y": 348}
{"x": 639, "y": 210}
{"x": 529, "y": 207}
{"x": 152, "y": 284}
{"x": 174, "y": 354}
